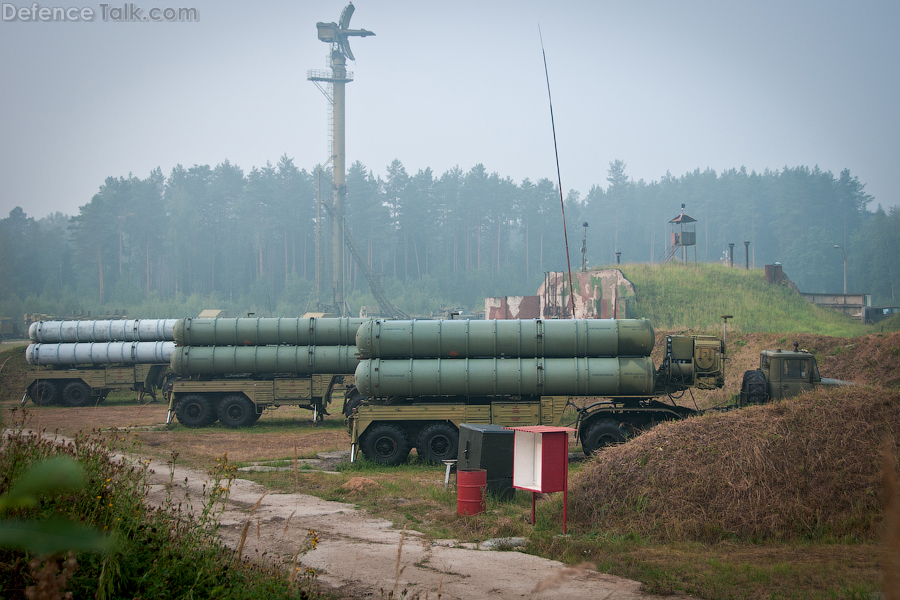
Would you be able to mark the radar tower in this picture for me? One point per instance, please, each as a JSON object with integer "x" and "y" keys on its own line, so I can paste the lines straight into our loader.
{"x": 337, "y": 34}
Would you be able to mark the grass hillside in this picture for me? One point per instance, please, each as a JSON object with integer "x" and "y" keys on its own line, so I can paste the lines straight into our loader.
{"x": 804, "y": 468}
{"x": 784, "y": 500}
{"x": 694, "y": 296}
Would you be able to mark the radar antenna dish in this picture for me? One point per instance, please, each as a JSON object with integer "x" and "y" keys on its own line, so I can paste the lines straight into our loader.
{"x": 338, "y": 34}
{"x": 346, "y": 14}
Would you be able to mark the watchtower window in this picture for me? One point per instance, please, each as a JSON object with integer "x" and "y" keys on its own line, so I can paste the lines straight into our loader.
{"x": 796, "y": 369}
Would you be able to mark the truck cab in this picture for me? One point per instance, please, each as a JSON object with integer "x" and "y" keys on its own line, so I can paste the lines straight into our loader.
{"x": 789, "y": 373}
{"x": 783, "y": 374}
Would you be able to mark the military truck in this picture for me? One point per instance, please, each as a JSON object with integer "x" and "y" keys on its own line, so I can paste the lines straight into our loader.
{"x": 419, "y": 380}
{"x": 783, "y": 374}
{"x": 231, "y": 370}
{"x": 86, "y": 386}
{"x": 79, "y": 363}
{"x": 240, "y": 400}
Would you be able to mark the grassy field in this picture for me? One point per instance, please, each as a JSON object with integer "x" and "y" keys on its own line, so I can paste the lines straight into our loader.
{"x": 775, "y": 502}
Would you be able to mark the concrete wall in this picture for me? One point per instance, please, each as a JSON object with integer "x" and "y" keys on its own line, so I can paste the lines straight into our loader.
{"x": 599, "y": 294}
{"x": 512, "y": 307}
{"x": 852, "y": 305}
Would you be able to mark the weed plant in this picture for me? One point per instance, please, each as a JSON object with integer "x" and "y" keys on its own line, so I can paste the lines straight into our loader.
{"x": 166, "y": 552}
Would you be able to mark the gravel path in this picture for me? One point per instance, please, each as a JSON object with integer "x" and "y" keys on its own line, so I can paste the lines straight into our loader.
{"x": 358, "y": 554}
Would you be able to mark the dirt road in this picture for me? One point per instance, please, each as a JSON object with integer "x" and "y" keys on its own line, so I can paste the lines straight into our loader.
{"x": 358, "y": 554}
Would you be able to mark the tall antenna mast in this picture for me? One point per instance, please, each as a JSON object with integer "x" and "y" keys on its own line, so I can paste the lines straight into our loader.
{"x": 562, "y": 204}
{"x": 337, "y": 34}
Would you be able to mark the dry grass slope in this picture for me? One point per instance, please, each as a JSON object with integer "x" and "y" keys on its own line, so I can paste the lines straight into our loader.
{"x": 806, "y": 467}
{"x": 873, "y": 358}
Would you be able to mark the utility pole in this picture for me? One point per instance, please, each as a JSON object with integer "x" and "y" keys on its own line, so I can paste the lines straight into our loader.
{"x": 845, "y": 267}
{"x": 584, "y": 248}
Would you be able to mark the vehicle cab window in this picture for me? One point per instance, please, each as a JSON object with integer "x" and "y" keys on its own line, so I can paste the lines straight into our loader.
{"x": 796, "y": 369}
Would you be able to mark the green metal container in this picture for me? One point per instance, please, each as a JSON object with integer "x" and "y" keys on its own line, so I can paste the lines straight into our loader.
{"x": 291, "y": 331}
{"x": 488, "y": 447}
{"x": 505, "y": 338}
{"x": 621, "y": 376}
{"x": 295, "y": 360}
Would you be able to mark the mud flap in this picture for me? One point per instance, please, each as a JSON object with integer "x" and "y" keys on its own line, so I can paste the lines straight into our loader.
{"x": 354, "y": 440}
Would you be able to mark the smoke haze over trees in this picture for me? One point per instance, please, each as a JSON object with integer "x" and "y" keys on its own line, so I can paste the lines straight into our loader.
{"x": 221, "y": 233}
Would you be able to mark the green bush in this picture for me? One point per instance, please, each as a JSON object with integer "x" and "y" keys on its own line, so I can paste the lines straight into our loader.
{"x": 154, "y": 553}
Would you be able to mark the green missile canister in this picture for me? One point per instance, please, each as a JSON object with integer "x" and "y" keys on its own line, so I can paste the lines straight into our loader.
{"x": 312, "y": 331}
{"x": 620, "y": 376}
{"x": 524, "y": 338}
{"x": 296, "y": 360}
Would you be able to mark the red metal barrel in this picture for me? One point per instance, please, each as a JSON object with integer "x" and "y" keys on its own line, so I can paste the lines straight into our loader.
{"x": 471, "y": 490}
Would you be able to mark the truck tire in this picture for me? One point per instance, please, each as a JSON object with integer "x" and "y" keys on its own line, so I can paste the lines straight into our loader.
{"x": 195, "y": 410}
{"x": 76, "y": 394}
{"x": 237, "y": 411}
{"x": 354, "y": 398}
{"x": 352, "y": 404}
{"x": 385, "y": 445}
{"x": 438, "y": 442}
{"x": 604, "y": 432}
{"x": 168, "y": 383}
{"x": 44, "y": 393}
{"x": 754, "y": 388}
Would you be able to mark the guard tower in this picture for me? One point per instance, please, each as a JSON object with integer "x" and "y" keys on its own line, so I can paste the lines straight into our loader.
{"x": 684, "y": 234}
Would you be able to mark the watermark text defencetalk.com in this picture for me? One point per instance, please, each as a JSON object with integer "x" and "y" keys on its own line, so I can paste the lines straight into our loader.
{"x": 125, "y": 13}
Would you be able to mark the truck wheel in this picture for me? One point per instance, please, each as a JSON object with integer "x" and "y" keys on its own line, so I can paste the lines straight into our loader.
{"x": 237, "y": 411}
{"x": 386, "y": 445}
{"x": 754, "y": 388}
{"x": 44, "y": 393}
{"x": 353, "y": 404}
{"x": 438, "y": 442}
{"x": 195, "y": 410}
{"x": 76, "y": 393}
{"x": 168, "y": 383}
{"x": 598, "y": 434}
{"x": 354, "y": 398}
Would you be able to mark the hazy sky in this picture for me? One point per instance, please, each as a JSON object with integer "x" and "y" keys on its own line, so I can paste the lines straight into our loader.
{"x": 662, "y": 85}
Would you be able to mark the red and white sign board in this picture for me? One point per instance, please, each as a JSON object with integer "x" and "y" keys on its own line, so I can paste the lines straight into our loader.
{"x": 541, "y": 462}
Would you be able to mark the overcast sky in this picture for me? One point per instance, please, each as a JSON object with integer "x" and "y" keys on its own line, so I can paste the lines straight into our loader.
{"x": 665, "y": 86}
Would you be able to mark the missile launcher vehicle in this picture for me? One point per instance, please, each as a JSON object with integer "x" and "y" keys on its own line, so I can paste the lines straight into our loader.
{"x": 78, "y": 386}
{"x": 79, "y": 363}
{"x": 233, "y": 369}
{"x": 417, "y": 381}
